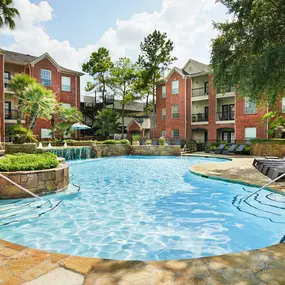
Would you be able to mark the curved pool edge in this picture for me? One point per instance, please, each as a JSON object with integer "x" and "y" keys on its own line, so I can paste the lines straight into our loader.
{"x": 20, "y": 264}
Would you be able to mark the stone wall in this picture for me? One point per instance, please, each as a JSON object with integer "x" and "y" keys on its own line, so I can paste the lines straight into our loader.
{"x": 268, "y": 149}
{"x": 39, "y": 182}
{"x": 112, "y": 149}
{"x": 166, "y": 150}
{"x": 11, "y": 148}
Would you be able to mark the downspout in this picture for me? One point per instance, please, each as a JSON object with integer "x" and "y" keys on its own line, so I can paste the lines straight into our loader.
{"x": 76, "y": 99}
{"x": 185, "y": 108}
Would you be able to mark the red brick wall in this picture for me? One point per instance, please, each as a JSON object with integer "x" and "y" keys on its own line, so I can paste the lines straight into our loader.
{"x": 2, "y": 98}
{"x": 249, "y": 121}
{"x": 72, "y": 97}
{"x": 160, "y": 103}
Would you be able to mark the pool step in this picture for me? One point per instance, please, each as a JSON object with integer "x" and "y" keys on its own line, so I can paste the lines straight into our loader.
{"x": 17, "y": 212}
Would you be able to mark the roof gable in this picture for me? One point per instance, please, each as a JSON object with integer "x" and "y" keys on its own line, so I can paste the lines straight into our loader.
{"x": 193, "y": 67}
{"x": 135, "y": 123}
{"x": 175, "y": 69}
{"x": 45, "y": 56}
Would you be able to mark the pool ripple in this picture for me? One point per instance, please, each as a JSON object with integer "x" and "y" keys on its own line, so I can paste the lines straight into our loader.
{"x": 146, "y": 208}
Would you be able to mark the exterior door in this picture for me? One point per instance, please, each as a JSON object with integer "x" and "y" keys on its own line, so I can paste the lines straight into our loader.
{"x": 225, "y": 112}
{"x": 206, "y": 113}
{"x": 232, "y": 112}
{"x": 8, "y": 110}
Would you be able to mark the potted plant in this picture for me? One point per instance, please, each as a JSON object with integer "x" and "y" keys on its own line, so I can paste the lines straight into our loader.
{"x": 136, "y": 139}
{"x": 162, "y": 141}
{"x": 148, "y": 142}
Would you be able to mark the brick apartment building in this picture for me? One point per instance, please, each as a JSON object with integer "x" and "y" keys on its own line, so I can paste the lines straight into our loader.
{"x": 188, "y": 106}
{"x": 65, "y": 83}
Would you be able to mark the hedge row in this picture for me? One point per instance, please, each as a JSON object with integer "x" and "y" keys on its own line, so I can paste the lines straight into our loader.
{"x": 28, "y": 162}
{"x": 114, "y": 142}
{"x": 267, "y": 141}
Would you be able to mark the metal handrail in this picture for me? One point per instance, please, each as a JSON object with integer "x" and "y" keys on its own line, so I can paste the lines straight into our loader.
{"x": 20, "y": 187}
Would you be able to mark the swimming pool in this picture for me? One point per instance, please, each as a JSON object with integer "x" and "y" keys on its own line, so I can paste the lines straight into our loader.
{"x": 145, "y": 208}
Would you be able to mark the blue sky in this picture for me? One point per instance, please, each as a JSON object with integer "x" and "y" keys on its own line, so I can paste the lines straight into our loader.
{"x": 70, "y": 30}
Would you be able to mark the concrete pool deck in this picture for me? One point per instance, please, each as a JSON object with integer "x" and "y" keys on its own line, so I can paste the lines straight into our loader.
{"x": 23, "y": 265}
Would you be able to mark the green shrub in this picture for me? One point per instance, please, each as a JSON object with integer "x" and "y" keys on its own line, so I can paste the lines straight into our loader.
{"x": 162, "y": 141}
{"x": 136, "y": 138}
{"x": 246, "y": 150}
{"x": 148, "y": 142}
{"x": 267, "y": 141}
{"x": 113, "y": 142}
{"x": 27, "y": 162}
{"x": 18, "y": 132}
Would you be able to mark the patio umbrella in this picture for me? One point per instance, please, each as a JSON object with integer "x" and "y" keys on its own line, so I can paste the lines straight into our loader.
{"x": 79, "y": 126}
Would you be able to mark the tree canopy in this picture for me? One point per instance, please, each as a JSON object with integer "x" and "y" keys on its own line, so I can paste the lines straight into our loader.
{"x": 7, "y": 14}
{"x": 249, "y": 51}
{"x": 99, "y": 66}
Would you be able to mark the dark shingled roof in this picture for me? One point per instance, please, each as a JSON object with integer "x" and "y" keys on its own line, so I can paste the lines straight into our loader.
{"x": 27, "y": 58}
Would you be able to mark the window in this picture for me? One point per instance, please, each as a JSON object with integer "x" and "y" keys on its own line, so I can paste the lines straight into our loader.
{"x": 175, "y": 87}
{"x": 163, "y": 133}
{"x": 250, "y": 107}
{"x": 206, "y": 88}
{"x": 163, "y": 114}
{"x": 283, "y": 105}
{"x": 175, "y": 133}
{"x": 45, "y": 77}
{"x": 66, "y": 105}
{"x": 175, "y": 111}
{"x": 65, "y": 84}
{"x": 163, "y": 91}
{"x": 250, "y": 133}
{"x": 46, "y": 133}
{"x": 7, "y": 78}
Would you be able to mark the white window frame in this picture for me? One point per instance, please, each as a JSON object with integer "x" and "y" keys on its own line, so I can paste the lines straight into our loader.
{"x": 66, "y": 105}
{"x": 45, "y": 135}
{"x": 175, "y": 89}
{"x": 174, "y": 136}
{"x": 249, "y": 107}
{"x": 283, "y": 105}
{"x": 44, "y": 78}
{"x": 175, "y": 115}
{"x": 248, "y": 133}
{"x": 163, "y": 114}
{"x": 63, "y": 86}
{"x": 164, "y": 91}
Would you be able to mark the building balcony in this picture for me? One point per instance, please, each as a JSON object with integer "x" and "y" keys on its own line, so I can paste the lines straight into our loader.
{"x": 225, "y": 117}
{"x": 200, "y": 118}
{"x": 225, "y": 92}
{"x": 12, "y": 115}
{"x": 198, "y": 92}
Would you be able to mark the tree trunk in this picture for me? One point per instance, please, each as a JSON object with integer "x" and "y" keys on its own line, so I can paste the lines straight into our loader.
{"x": 146, "y": 105}
{"x": 33, "y": 119}
{"x": 153, "y": 107}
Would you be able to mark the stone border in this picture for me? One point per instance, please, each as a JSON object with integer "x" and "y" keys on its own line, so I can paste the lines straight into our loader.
{"x": 39, "y": 182}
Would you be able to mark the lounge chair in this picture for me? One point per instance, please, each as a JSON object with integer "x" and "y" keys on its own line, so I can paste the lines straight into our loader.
{"x": 230, "y": 150}
{"x": 275, "y": 172}
{"x": 207, "y": 148}
{"x": 220, "y": 149}
{"x": 240, "y": 149}
{"x": 154, "y": 143}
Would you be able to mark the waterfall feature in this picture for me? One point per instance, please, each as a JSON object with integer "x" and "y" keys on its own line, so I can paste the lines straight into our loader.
{"x": 74, "y": 153}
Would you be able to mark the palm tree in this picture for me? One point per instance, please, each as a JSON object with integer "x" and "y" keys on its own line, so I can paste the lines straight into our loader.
{"x": 107, "y": 122}
{"x": 18, "y": 85}
{"x": 39, "y": 103}
{"x": 8, "y": 13}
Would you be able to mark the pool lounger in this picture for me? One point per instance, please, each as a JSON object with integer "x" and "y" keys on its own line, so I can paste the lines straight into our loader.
{"x": 230, "y": 150}
{"x": 220, "y": 149}
{"x": 275, "y": 172}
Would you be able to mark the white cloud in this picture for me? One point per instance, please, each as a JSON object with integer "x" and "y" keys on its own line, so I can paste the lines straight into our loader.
{"x": 187, "y": 22}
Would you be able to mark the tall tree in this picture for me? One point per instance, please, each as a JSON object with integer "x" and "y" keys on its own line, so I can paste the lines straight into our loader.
{"x": 7, "y": 14}
{"x": 156, "y": 57}
{"x": 99, "y": 66}
{"x": 107, "y": 122}
{"x": 123, "y": 76}
{"x": 18, "y": 85}
{"x": 249, "y": 51}
{"x": 39, "y": 103}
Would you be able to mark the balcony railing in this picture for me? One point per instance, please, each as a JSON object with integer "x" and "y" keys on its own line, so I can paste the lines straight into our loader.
{"x": 199, "y": 118}
{"x": 11, "y": 115}
{"x": 197, "y": 92}
{"x": 225, "y": 90}
{"x": 225, "y": 116}
{"x": 6, "y": 83}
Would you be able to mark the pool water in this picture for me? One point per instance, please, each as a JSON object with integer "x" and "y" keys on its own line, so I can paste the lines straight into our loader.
{"x": 146, "y": 208}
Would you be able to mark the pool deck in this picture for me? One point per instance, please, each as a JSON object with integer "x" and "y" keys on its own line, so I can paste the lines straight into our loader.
{"x": 23, "y": 265}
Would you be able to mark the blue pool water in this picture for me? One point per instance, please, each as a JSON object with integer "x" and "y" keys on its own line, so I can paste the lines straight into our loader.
{"x": 145, "y": 208}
